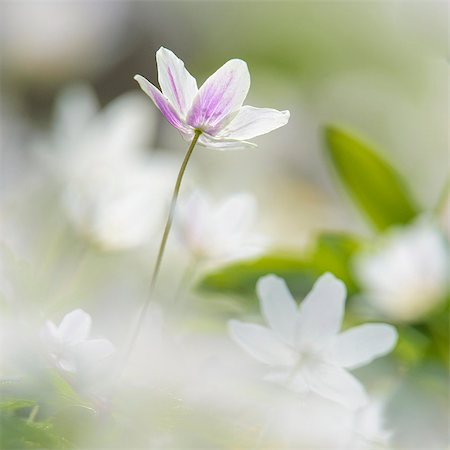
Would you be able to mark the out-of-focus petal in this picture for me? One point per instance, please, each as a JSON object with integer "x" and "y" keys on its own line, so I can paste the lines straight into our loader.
{"x": 335, "y": 383}
{"x": 177, "y": 84}
{"x": 251, "y": 122}
{"x": 361, "y": 345}
{"x": 94, "y": 349}
{"x": 162, "y": 104}
{"x": 221, "y": 94}
{"x": 75, "y": 326}
{"x": 236, "y": 214}
{"x": 277, "y": 305}
{"x": 321, "y": 312}
{"x": 261, "y": 343}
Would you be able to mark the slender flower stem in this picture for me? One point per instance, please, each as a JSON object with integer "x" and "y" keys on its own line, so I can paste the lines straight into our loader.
{"x": 162, "y": 246}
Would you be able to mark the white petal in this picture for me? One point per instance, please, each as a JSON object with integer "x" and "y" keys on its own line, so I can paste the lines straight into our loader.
{"x": 66, "y": 364}
{"x": 236, "y": 214}
{"x": 224, "y": 144}
{"x": 162, "y": 104}
{"x": 177, "y": 84}
{"x": 75, "y": 327}
{"x": 220, "y": 95}
{"x": 50, "y": 333}
{"x": 295, "y": 383}
{"x": 321, "y": 312}
{"x": 251, "y": 122}
{"x": 335, "y": 383}
{"x": 277, "y": 305}
{"x": 261, "y": 343}
{"x": 94, "y": 349}
{"x": 361, "y": 345}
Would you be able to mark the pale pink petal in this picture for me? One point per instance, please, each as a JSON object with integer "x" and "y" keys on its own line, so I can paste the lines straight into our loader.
{"x": 251, "y": 122}
{"x": 222, "y": 94}
{"x": 162, "y": 104}
{"x": 261, "y": 343}
{"x": 361, "y": 345}
{"x": 177, "y": 84}
{"x": 321, "y": 312}
{"x": 75, "y": 326}
{"x": 277, "y": 305}
{"x": 334, "y": 383}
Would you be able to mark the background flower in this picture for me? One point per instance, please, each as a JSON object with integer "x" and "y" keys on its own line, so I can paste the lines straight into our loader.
{"x": 220, "y": 230}
{"x": 113, "y": 192}
{"x": 405, "y": 274}
{"x": 303, "y": 344}
{"x": 68, "y": 343}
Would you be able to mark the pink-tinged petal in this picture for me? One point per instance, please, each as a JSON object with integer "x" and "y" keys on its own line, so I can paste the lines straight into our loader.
{"x": 223, "y": 144}
{"x": 320, "y": 313}
{"x": 75, "y": 327}
{"x": 361, "y": 345}
{"x": 277, "y": 305}
{"x": 221, "y": 94}
{"x": 251, "y": 122}
{"x": 335, "y": 383}
{"x": 162, "y": 104}
{"x": 177, "y": 84}
{"x": 261, "y": 343}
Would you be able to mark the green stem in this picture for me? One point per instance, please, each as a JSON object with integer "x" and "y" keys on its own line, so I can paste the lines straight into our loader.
{"x": 33, "y": 414}
{"x": 162, "y": 246}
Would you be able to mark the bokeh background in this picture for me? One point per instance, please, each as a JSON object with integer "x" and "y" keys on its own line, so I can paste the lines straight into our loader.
{"x": 378, "y": 69}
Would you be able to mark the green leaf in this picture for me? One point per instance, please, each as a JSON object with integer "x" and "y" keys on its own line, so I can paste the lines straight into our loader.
{"x": 17, "y": 433}
{"x": 14, "y": 404}
{"x": 374, "y": 185}
{"x": 331, "y": 252}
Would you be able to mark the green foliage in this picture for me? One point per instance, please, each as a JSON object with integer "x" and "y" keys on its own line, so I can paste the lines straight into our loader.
{"x": 374, "y": 185}
{"x": 331, "y": 252}
{"x": 18, "y": 433}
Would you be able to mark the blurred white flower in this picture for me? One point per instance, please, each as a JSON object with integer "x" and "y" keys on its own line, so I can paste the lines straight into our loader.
{"x": 67, "y": 39}
{"x": 405, "y": 275}
{"x": 304, "y": 345}
{"x": 215, "y": 109}
{"x": 112, "y": 192}
{"x": 220, "y": 231}
{"x": 68, "y": 343}
{"x": 315, "y": 423}
{"x": 369, "y": 430}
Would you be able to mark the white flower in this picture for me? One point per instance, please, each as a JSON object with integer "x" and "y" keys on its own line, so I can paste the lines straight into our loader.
{"x": 405, "y": 275}
{"x": 68, "y": 343}
{"x": 215, "y": 109}
{"x": 368, "y": 431}
{"x": 112, "y": 192}
{"x": 303, "y": 343}
{"x": 218, "y": 231}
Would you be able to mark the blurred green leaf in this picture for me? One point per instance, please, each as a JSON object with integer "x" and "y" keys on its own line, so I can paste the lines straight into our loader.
{"x": 300, "y": 270}
{"x": 17, "y": 433}
{"x": 374, "y": 185}
{"x": 13, "y": 404}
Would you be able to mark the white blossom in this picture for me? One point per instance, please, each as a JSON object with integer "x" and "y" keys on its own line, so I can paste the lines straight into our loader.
{"x": 303, "y": 344}
{"x": 112, "y": 191}
{"x": 219, "y": 231}
{"x": 405, "y": 274}
{"x": 69, "y": 346}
